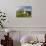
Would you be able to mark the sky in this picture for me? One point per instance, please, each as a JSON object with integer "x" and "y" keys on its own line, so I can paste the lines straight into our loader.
{"x": 27, "y": 6}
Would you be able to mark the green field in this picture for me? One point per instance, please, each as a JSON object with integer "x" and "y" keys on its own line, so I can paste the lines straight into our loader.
{"x": 22, "y": 13}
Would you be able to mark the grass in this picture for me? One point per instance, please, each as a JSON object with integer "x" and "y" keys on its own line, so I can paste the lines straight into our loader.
{"x": 20, "y": 13}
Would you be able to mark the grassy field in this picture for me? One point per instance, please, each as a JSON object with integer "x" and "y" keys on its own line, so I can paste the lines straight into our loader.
{"x": 22, "y": 13}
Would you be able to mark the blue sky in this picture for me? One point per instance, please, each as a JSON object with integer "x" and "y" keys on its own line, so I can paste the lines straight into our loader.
{"x": 29, "y": 8}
